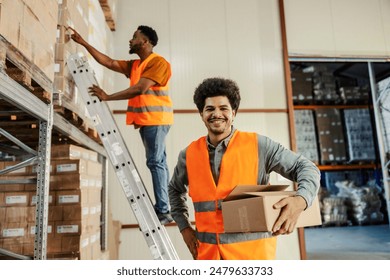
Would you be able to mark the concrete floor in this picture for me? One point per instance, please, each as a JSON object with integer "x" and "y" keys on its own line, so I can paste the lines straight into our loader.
{"x": 348, "y": 243}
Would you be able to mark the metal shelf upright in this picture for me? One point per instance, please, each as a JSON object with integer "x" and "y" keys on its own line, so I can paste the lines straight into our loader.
{"x": 378, "y": 106}
{"x": 17, "y": 95}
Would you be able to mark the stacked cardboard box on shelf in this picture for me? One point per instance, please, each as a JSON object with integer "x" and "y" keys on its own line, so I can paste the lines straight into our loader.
{"x": 72, "y": 14}
{"x": 359, "y": 134}
{"x": 324, "y": 84}
{"x": 331, "y": 136}
{"x": 109, "y": 10}
{"x": 74, "y": 206}
{"x": 30, "y": 26}
{"x": 355, "y": 94}
{"x": 305, "y": 134}
{"x": 17, "y": 210}
{"x": 302, "y": 85}
{"x": 87, "y": 18}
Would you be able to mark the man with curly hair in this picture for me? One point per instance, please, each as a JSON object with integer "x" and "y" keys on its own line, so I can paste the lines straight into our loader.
{"x": 210, "y": 167}
{"x": 149, "y": 104}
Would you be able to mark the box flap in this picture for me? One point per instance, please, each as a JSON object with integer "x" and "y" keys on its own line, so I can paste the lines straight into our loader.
{"x": 242, "y": 191}
{"x": 272, "y": 193}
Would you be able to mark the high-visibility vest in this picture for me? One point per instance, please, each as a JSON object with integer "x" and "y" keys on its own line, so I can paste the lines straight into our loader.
{"x": 239, "y": 166}
{"x": 154, "y": 107}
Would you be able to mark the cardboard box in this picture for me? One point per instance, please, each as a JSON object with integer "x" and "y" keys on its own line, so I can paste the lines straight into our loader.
{"x": 249, "y": 209}
{"x": 12, "y": 230}
{"x": 15, "y": 199}
{"x": 16, "y": 214}
{"x": 69, "y": 151}
{"x": 69, "y": 166}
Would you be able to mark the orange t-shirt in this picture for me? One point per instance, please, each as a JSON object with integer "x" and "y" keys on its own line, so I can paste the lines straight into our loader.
{"x": 158, "y": 70}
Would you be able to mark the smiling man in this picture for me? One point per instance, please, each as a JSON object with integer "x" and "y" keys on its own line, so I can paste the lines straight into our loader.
{"x": 210, "y": 167}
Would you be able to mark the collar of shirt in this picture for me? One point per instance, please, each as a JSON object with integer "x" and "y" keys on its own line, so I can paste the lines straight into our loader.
{"x": 224, "y": 142}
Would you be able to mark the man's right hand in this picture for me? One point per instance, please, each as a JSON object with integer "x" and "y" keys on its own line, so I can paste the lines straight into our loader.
{"x": 191, "y": 241}
{"x": 77, "y": 37}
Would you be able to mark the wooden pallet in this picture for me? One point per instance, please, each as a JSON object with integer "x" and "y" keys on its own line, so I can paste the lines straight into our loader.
{"x": 19, "y": 68}
{"x": 79, "y": 122}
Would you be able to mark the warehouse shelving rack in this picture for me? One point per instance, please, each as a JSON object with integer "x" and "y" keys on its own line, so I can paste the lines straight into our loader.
{"x": 384, "y": 161}
{"x": 15, "y": 94}
{"x": 18, "y": 96}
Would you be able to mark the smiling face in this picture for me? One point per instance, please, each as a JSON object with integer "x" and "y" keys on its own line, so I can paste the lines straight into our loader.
{"x": 218, "y": 117}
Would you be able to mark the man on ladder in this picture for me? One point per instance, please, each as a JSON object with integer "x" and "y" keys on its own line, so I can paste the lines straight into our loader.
{"x": 149, "y": 105}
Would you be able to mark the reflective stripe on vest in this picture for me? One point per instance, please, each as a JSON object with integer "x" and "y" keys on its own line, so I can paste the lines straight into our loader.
{"x": 207, "y": 206}
{"x": 157, "y": 92}
{"x": 229, "y": 238}
{"x": 146, "y": 109}
{"x": 154, "y": 107}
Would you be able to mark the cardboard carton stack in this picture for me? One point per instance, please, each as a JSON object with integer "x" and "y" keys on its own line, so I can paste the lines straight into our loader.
{"x": 74, "y": 14}
{"x": 17, "y": 211}
{"x": 74, "y": 206}
{"x": 359, "y": 134}
{"x": 330, "y": 136}
{"x": 306, "y": 138}
{"x": 302, "y": 85}
{"x": 77, "y": 182}
{"x": 87, "y": 18}
{"x": 324, "y": 84}
{"x": 30, "y": 26}
{"x": 355, "y": 94}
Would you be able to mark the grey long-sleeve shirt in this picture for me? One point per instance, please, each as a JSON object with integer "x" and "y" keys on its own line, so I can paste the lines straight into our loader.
{"x": 272, "y": 157}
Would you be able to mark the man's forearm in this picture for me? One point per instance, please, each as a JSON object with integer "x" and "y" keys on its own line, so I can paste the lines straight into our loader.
{"x": 98, "y": 56}
{"x": 128, "y": 93}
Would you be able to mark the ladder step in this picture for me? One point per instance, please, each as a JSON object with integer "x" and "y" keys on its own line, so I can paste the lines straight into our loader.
{"x": 126, "y": 171}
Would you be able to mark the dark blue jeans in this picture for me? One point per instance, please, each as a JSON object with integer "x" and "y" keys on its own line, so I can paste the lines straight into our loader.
{"x": 153, "y": 138}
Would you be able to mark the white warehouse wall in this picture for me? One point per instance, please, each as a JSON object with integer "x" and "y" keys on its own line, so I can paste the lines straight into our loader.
{"x": 338, "y": 28}
{"x": 225, "y": 38}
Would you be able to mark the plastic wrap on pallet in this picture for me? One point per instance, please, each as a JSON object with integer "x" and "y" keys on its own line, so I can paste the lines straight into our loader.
{"x": 330, "y": 178}
{"x": 334, "y": 211}
{"x": 364, "y": 203}
{"x": 306, "y": 135}
{"x": 359, "y": 177}
{"x": 359, "y": 135}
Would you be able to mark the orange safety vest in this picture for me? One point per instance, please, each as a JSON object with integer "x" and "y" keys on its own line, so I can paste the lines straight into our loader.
{"x": 239, "y": 166}
{"x": 154, "y": 107}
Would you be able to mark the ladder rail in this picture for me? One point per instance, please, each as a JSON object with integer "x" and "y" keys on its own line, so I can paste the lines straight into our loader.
{"x": 134, "y": 189}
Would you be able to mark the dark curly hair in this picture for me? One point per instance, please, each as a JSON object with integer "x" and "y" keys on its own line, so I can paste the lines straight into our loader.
{"x": 150, "y": 33}
{"x": 217, "y": 87}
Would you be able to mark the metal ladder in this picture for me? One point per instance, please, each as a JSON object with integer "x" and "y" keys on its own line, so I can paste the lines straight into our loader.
{"x": 154, "y": 233}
